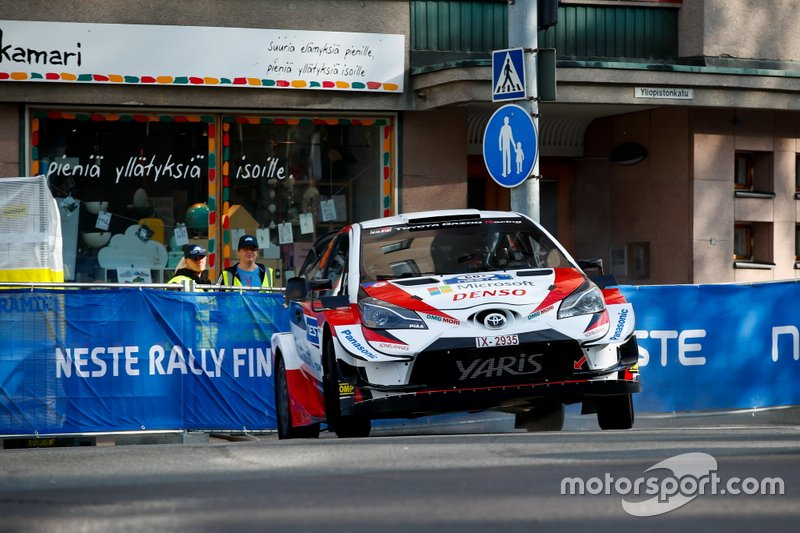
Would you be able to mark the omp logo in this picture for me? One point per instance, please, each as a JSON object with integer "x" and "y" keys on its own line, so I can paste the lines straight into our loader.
{"x": 512, "y": 365}
{"x": 348, "y": 336}
{"x": 312, "y": 331}
{"x": 346, "y": 389}
{"x": 623, "y": 317}
{"x": 442, "y": 289}
{"x": 539, "y": 313}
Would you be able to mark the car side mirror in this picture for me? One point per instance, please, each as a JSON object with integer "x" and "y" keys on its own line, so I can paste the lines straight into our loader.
{"x": 591, "y": 267}
{"x": 296, "y": 289}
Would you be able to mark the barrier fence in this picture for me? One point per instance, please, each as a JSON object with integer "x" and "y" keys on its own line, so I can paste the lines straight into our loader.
{"x": 144, "y": 358}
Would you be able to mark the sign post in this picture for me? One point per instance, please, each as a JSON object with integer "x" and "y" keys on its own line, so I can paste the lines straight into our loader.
{"x": 510, "y": 145}
{"x": 522, "y": 32}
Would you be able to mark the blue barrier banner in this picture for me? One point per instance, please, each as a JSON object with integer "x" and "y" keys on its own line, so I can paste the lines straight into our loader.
{"x": 130, "y": 359}
{"x": 710, "y": 347}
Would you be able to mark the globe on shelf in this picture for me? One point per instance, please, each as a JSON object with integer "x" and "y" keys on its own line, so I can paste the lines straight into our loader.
{"x": 197, "y": 218}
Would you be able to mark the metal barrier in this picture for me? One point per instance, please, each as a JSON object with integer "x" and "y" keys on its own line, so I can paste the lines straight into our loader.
{"x": 188, "y": 286}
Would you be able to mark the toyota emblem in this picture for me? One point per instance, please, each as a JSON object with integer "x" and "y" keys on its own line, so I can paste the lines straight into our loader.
{"x": 494, "y": 320}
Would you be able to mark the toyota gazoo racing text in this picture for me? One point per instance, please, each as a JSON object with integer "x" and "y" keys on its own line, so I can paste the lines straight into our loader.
{"x": 449, "y": 311}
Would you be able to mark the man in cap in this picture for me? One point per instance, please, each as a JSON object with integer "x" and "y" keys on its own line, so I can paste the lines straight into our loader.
{"x": 192, "y": 267}
{"x": 247, "y": 273}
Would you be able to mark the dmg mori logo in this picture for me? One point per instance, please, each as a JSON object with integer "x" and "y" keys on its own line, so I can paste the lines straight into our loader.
{"x": 495, "y": 320}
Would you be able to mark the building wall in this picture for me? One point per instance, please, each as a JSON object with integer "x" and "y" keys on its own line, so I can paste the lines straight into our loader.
{"x": 681, "y": 198}
{"x": 717, "y": 136}
{"x": 622, "y": 206}
{"x": 749, "y": 29}
{"x": 9, "y": 141}
{"x": 434, "y": 160}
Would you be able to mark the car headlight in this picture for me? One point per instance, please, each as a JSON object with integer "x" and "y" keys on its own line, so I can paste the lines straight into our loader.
{"x": 584, "y": 300}
{"x": 377, "y": 314}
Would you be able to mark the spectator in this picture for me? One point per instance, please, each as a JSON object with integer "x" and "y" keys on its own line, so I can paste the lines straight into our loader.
{"x": 247, "y": 273}
{"x": 192, "y": 267}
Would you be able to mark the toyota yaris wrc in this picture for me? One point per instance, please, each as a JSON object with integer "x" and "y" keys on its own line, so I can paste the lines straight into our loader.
{"x": 449, "y": 311}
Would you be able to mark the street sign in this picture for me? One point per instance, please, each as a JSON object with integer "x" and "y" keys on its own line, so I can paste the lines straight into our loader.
{"x": 510, "y": 145}
{"x": 508, "y": 75}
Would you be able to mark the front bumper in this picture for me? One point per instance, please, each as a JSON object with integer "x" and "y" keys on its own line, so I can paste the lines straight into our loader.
{"x": 495, "y": 397}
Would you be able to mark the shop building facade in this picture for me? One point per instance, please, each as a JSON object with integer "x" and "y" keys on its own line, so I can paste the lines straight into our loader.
{"x": 671, "y": 151}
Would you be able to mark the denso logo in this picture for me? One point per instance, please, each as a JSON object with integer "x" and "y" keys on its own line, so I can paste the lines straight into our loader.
{"x": 484, "y": 294}
{"x": 623, "y": 317}
{"x": 512, "y": 365}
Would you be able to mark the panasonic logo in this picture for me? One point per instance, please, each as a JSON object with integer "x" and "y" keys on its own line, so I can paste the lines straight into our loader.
{"x": 348, "y": 335}
{"x": 623, "y": 317}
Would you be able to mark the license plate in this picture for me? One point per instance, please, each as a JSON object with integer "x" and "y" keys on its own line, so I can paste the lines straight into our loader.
{"x": 499, "y": 340}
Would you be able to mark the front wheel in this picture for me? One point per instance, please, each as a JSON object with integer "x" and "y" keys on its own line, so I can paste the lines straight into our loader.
{"x": 345, "y": 426}
{"x": 284, "y": 411}
{"x": 615, "y": 412}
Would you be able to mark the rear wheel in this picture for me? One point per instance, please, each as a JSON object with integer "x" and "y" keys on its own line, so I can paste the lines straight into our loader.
{"x": 345, "y": 426}
{"x": 615, "y": 412}
{"x": 284, "y": 411}
{"x": 547, "y": 417}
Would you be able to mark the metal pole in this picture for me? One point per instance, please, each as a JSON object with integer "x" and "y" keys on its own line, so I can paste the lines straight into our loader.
{"x": 522, "y": 33}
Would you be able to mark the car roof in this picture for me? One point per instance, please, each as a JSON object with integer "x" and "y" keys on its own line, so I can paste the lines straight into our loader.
{"x": 438, "y": 215}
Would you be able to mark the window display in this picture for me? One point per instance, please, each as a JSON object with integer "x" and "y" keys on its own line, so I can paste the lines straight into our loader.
{"x": 300, "y": 177}
{"x": 133, "y": 188}
{"x": 124, "y": 182}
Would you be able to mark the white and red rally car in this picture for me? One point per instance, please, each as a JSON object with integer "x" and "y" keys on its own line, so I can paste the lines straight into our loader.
{"x": 450, "y": 311}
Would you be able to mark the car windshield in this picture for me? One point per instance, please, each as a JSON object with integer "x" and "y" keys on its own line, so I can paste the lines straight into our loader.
{"x": 462, "y": 247}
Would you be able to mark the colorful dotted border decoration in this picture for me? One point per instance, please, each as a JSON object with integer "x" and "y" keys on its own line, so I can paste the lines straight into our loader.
{"x": 200, "y": 80}
{"x": 37, "y": 116}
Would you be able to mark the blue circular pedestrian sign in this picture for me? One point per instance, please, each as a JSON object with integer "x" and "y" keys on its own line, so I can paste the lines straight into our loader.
{"x": 510, "y": 145}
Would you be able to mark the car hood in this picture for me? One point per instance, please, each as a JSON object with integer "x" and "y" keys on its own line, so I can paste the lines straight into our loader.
{"x": 531, "y": 290}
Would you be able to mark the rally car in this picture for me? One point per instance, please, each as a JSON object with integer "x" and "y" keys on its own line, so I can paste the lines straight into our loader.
{"x": 450, "y": 311}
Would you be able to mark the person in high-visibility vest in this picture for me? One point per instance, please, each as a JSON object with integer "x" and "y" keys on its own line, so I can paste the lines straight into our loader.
{"x": 247, "y": 273}
{"x": 192, "y": 266}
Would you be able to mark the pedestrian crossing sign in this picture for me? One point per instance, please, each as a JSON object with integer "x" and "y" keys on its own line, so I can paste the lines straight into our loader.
{"x": 508, "y": 75}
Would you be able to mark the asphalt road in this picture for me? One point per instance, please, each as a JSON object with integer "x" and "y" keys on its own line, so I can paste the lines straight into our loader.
{"x": 504, "y": 482}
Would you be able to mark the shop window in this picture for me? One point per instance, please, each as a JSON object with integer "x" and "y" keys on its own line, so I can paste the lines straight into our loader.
{"x": 295, "y": 179}
{"x": 124, "y": 182}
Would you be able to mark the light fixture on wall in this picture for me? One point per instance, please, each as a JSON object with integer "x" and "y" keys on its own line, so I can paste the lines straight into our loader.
{"x": 628, "y": 153}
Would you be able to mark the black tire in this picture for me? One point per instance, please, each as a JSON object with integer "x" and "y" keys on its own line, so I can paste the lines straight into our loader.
{"x": 283, "y": 410}
{"x": 350, "y": 426}
{"x": 615, "y": 412}
{"x": 547, "y": 417}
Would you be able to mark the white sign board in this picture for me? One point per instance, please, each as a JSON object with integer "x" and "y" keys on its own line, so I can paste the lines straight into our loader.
{"x": 201, "y": 56}
{"x": 668, "y": 93}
